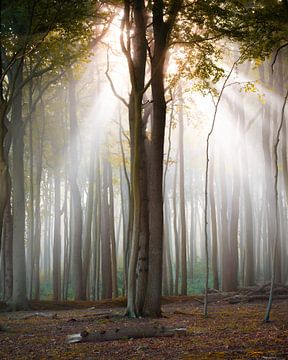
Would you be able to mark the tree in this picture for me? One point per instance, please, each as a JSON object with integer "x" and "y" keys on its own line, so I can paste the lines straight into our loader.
{"x": 136, "y": 54}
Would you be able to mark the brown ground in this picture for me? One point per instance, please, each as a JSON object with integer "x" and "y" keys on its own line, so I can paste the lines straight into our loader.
{"x": 232, "y": 331}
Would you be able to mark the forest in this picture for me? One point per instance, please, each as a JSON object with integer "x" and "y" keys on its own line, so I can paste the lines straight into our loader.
{"x": 144, "y": 172}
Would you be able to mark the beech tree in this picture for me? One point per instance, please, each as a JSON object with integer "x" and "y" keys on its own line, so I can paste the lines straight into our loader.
{"x": 136, "y": 16}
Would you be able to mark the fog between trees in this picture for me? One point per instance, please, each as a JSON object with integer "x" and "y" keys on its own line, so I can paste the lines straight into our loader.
{"x": 80, "y": 152}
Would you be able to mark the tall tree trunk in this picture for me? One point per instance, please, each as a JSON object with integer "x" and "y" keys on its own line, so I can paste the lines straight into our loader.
{"x": 19, "y": 298}
{"x": 38, "y": 177}
{"x": 266, "y": 143}
{"x": 8, "y": 247}
{"x": 76, "y": 210}
{"x": 88, "y": 226}
{"x": 97, "y": 232}
{"x": 8, "y": 231}
{"x": 4, "y": 182}
{"x": 183, "y": 229}
{"x": 176, "y": 235}
{"x": 249, "y": 271}
{"x": 127, "y": 210}
{"x": 225, "y": 275}
{"x": 47, "y": 230}
{"x": 161, "y": 32}
{"x": 105, "y": 237}
{"x": 136, "y": 59}
{"x": 168, "y": 269}
{"x": 112, "y": 232}
{"x": 234, "y": 218}
{"x": 57, "y": 237}
{"x": 154, "y": 291}
{"x": 30, "y": 220}
{"x": 214, "y": 256}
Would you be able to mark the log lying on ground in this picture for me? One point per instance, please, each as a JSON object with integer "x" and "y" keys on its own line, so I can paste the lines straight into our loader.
{"x": 124, "y": 333}
{"x": 34, "y": 314}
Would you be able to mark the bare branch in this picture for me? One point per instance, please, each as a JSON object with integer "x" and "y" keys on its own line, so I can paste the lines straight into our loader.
{"x": 112, "y": 85}
{"x": 276, "y": 55}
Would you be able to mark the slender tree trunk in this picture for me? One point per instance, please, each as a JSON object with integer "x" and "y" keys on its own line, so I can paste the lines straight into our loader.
{"x": 214, "y": 236}
{"x": 76, "y": 210}
{"x": 276, "y": 199}
{"x": 249, "y": 271}
{"x": 4, "y": 182}
{"x": 88, "y": 226}
{"x": 38, "y": 178}
{"x": 167, "y": 269}
{"x": 183, "y": 229}
{"x": 234, "y": 220}
{"x": 225, "y": 275}
{"x": 266, "y": 143}
{"x": 30, "y": 220}
{"x": 57, "y": 237}
{"x": 98, "y": 230}
{"x": 105, "y": 237}
{"x": 112, "y": 232}
{"x": 176, "y": 235}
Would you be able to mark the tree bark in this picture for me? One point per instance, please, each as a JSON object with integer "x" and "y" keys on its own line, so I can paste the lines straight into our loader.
{"x": 57, "y": 237}
{"x": 183, "y": 229}
{"x": 19, "y": 298}
{"x": 88, "y": 219}
{"x": 112, "y": 232}
{"x": 76, "y": 210}
{"x": 105, "y": 237}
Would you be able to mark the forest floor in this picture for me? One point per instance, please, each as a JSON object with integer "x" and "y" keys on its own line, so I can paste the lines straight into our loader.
{"x": 232, "y": 331}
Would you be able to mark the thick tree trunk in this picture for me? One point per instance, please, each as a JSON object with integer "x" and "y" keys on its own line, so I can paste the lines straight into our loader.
{"x": 142, "y": 269}
{"x": 8, "y": 250}
{"x": 8, "y": 232}
{"x": 161, "y": 32}
{"x": 137, "y": 63}
{"x": 19, "y": 298}
{"x": 154, "y": 291}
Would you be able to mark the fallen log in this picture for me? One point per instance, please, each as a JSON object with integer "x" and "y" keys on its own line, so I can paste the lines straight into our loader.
{"x": 124, "y": 333}
{"x": 245, "y": 299}
{"x": 34, "y": 314}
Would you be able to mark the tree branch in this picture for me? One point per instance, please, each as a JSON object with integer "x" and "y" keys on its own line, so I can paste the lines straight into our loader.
{"x": 112, "y": 85}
